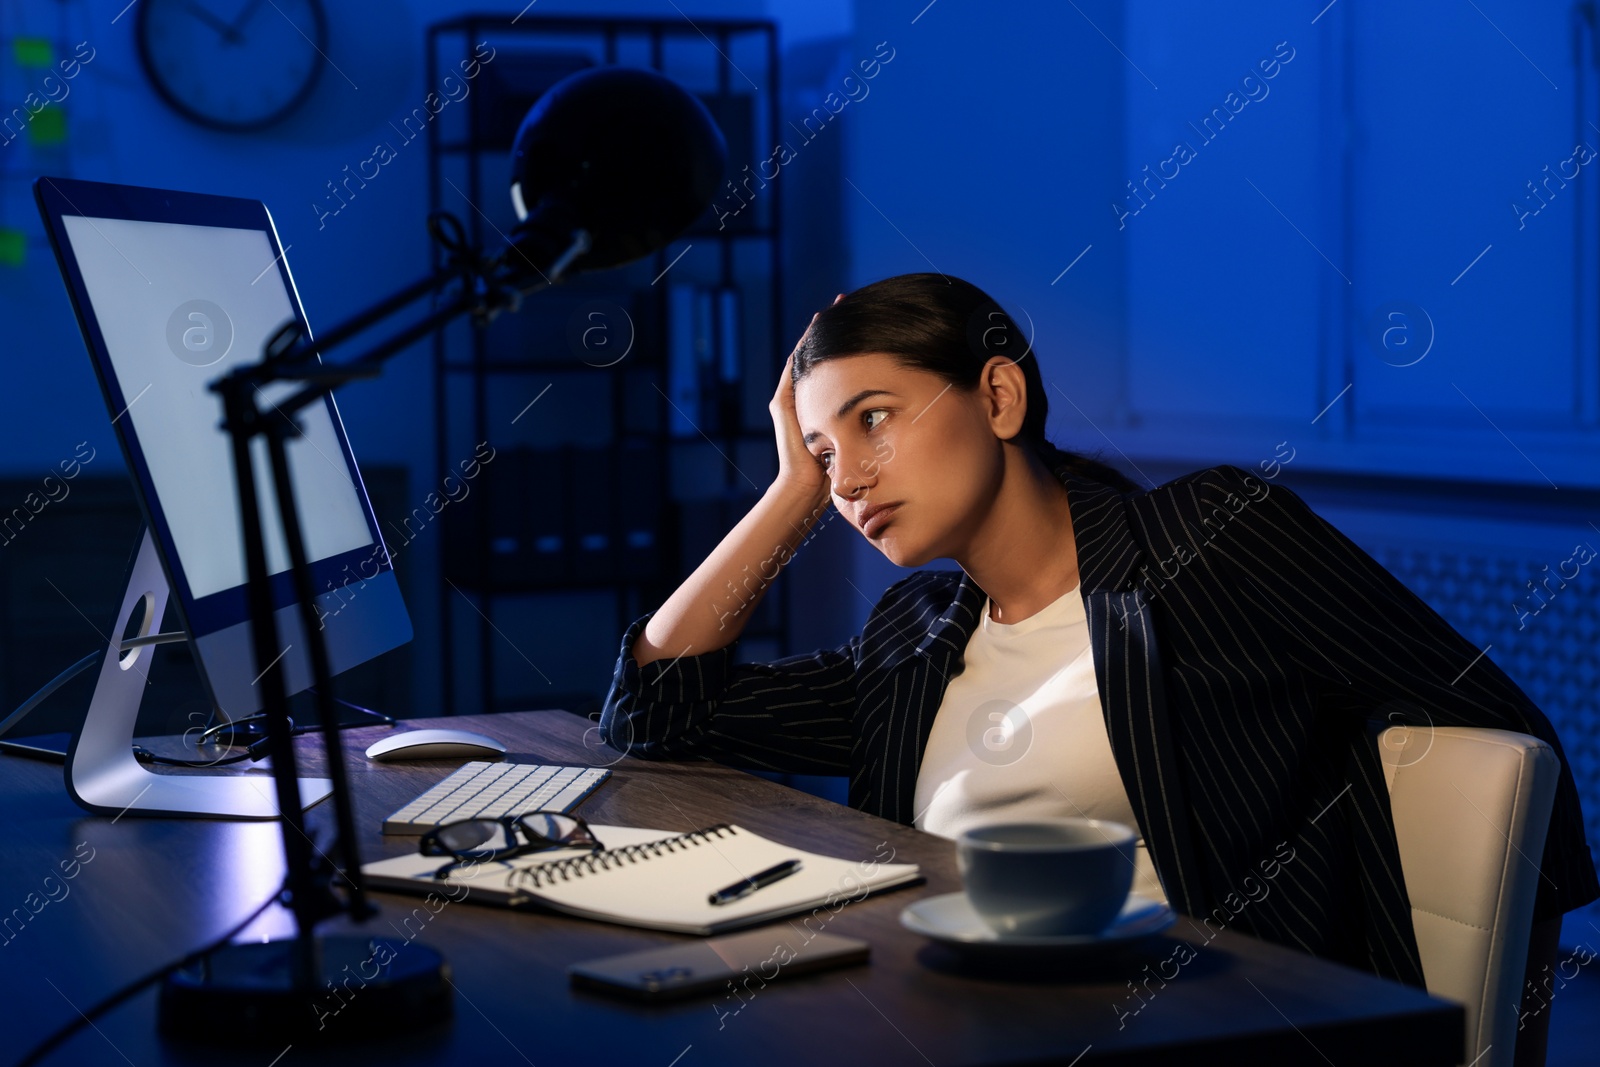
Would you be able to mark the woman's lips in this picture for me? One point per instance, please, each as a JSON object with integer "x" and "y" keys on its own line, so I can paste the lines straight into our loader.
{"x": 875, "y": 522}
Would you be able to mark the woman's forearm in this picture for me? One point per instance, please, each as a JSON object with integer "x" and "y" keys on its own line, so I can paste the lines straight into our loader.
{"x": 710, "y": 609}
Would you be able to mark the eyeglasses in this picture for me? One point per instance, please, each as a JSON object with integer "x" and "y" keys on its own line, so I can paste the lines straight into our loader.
{"x": 480, "y": 840}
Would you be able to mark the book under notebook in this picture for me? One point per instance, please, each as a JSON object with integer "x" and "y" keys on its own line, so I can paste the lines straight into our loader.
{"x": 659, "y": 879}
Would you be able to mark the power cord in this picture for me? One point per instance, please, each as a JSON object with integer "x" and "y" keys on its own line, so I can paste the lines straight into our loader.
{"x": 248, "y": 726}
{"x": 250, "y": 723}
{"x": 144, "y": 755}
{"x": 85, "y": 1018}
{"x": 257, "y": 750}
{"x": 49, "y": 687}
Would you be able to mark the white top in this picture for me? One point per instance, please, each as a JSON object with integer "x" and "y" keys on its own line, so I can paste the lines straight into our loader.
{"x": 1020, "y": 734}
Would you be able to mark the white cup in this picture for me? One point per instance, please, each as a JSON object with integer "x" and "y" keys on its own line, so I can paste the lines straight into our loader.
{"x": 1052, "y": 876}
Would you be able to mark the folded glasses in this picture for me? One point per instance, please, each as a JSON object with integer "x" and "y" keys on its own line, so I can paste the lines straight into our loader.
{"x": 481, "y": 840}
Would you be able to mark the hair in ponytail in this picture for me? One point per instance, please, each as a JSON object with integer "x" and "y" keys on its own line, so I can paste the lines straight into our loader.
{"x": 1091, "y": 467}
{"x": 949, "y": 327}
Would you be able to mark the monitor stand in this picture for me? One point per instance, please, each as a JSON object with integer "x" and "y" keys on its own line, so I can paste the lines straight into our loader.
{"x": 102, "y": 773}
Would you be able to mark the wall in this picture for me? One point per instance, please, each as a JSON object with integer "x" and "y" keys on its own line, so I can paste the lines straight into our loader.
{"x": 120, "y": 131}
{"x": 985, "y": 151}
{"x": 1335, "y": 261}
{"x": 1342, "y": 262}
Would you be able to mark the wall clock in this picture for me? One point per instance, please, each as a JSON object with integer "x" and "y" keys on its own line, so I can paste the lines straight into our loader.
{"x": 232, "y": 64}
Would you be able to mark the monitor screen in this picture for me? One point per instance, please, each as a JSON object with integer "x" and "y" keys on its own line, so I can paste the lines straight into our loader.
{"x": 172, "y": 290}
{"x": 189, "y": 303}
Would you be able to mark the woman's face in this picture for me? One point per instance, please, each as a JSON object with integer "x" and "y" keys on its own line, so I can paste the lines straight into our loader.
{"x": 904, "y": 442}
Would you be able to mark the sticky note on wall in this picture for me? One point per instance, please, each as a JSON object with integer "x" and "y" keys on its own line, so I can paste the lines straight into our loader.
{"x": 49, "y": 127}
{"x": 13, "y": 245}
{"x": 32, "y": 51}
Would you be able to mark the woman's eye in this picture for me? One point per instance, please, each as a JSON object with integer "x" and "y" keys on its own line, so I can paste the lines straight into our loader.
{"x": 869, "y": 414}
{"x": 823, "y": 460}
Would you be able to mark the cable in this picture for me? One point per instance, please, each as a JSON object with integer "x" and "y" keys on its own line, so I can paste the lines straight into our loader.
{"x": 249, "y": 722}
{"x": 49, "y": 1044}
{"x": 258, "y": 747}
{"x": 78, "y": 668}
{"x": 245, "y": 725}
{"x": 49, "y": 687}
{"x": 386, "y": 720}
{"x": 144, "y": 755}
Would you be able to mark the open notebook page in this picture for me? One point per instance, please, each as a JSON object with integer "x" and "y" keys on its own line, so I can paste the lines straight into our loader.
{"x": 658, "y": 878}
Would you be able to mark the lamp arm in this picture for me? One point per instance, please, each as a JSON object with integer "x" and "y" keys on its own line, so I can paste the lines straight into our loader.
{"x": 309, "y": 897}
{"x": 487, "y": 287}
{"x": 345, "y": 846}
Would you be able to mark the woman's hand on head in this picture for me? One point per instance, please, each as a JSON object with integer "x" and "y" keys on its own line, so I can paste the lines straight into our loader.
{"x": 798, "y": 469}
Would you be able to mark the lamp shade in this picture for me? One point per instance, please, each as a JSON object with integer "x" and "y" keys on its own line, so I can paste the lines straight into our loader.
{"x": 625, "y": 153}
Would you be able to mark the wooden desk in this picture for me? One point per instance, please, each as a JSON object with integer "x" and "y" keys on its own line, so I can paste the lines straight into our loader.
{"x": 155, "y": 888}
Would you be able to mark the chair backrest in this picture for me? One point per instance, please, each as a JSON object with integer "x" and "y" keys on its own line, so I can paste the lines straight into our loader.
{"x": 1471, "y": 807}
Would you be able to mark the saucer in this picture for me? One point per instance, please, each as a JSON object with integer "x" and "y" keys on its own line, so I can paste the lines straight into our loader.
{"x": 951, "y": 920}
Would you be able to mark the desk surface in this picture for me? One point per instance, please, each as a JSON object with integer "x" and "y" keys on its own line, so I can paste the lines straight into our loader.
{"x": 155, "y": 888}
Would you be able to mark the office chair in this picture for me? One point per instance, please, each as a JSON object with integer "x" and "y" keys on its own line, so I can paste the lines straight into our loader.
{"x": 1471, "y": 807}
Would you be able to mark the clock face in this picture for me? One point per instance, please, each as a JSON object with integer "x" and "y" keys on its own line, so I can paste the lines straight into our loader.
{"x": 232, "y": 64}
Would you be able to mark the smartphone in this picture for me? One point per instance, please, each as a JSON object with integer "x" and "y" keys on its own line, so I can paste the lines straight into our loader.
{"x": 689, "y": 967}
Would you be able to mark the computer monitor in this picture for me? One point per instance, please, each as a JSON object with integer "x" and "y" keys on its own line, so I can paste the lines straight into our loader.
{"x": 171, "y": 290}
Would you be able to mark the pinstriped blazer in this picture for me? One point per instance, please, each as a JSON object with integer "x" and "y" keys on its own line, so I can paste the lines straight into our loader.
{"x": 1247, "y": 654}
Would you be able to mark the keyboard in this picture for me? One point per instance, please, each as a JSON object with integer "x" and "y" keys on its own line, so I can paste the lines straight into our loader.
{"x": 488, "y": 790}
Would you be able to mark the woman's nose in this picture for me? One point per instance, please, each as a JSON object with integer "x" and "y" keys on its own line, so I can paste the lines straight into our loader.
{"x": 853, "y": 477}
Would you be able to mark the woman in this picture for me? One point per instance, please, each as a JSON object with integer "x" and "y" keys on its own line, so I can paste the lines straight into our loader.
{"x": 1208, "y": 661}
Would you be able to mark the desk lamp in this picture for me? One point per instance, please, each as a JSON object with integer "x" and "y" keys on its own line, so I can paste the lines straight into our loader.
{"x": 609, "y": 165}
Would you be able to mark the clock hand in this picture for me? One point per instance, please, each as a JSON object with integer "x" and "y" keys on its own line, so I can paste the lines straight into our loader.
{"x": 223, "y": 29}
{"x": 244, "y": 16}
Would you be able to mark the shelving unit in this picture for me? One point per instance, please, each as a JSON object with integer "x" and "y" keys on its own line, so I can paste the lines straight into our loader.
{"x": 626, "y": 410}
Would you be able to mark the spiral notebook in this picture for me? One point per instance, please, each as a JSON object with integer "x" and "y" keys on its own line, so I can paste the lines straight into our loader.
{"x": 658, "y": 879}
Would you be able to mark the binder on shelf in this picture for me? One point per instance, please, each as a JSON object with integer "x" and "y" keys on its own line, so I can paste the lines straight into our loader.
{"x": 703, "y": 356}
{"x": 641, "y": 401}
{"x": 683, "y": 369}
{"x": 562, "y": 517}
{"x": 545, "y": 549}
{"x": 463, "y": 526}
{"x": 730, "y": 369}
{"x": 705, "y": 361}
{"x": 591, "y": 474}
{"x": 641, "y": 478}
{"x": 508, "y": 531}
{"x": 503, "y": 515}
{"x": 729, "y": 351}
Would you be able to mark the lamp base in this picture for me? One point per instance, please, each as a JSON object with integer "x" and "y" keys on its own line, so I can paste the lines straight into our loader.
{"x": 366, "y": 988}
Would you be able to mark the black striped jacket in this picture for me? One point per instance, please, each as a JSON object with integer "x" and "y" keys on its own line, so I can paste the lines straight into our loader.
{"x": 1247, "y": 654}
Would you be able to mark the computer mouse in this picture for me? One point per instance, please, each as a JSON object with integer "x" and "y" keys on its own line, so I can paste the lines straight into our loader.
{"x": 436, "y": 744}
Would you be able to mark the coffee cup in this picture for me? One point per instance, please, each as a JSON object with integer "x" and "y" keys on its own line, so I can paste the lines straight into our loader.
{"x": 1050, "y": 876}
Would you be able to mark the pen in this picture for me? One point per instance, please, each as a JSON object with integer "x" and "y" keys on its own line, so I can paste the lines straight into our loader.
{"x": 745, "y": 886}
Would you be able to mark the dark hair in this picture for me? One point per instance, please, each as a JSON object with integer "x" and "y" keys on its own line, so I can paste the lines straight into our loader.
{"x": 949, "y": 327}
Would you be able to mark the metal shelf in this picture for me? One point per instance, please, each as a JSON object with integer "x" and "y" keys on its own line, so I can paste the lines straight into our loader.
{"x": 460, "y": 159}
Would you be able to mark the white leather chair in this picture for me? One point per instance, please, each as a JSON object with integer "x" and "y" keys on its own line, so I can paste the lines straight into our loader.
{"x": 1471, "y": 808}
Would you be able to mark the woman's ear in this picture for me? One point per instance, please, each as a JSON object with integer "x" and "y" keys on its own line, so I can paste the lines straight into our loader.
{"x": 1005, "y": 393}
